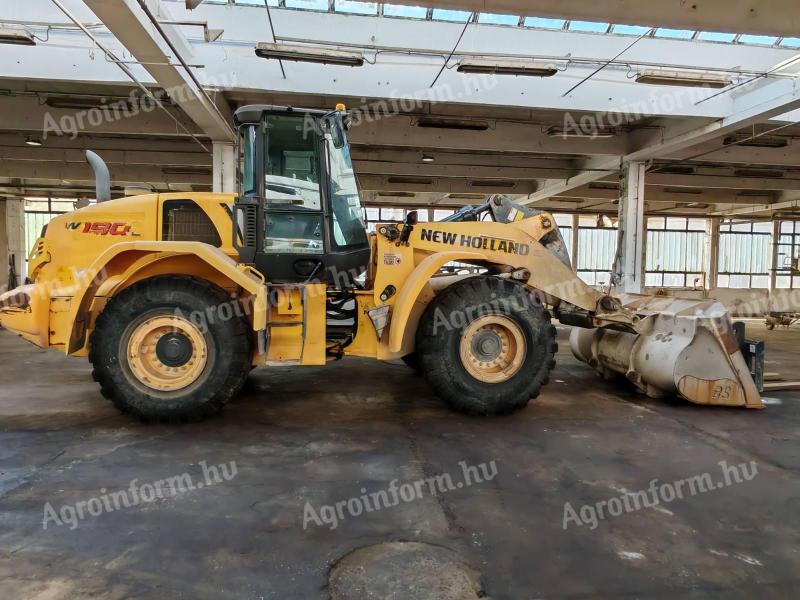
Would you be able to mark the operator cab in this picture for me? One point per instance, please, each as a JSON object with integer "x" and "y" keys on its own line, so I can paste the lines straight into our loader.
{"x": 298, "y": 215}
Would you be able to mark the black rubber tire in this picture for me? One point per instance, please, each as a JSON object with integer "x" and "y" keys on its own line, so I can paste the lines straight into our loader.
{"x": 229, "y": 343}
{"x": 412, "y": 361}
{"x": 438, "y": 345}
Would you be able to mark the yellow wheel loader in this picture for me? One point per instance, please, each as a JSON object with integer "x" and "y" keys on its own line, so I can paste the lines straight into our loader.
{"x": 174, "y": 298}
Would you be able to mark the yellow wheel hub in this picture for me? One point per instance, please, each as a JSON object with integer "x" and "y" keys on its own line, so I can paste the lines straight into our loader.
{"x": 492, "y": 348}
{"x": 167, "y": 353}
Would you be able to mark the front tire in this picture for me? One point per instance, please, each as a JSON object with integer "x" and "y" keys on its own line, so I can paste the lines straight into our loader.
{"x": 486, "y": 346}
{"x": 162, "y": 350}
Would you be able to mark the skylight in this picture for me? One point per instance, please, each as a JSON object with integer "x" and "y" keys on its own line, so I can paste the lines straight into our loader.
{"x": 678, "y": 34}
{"x": 458, "y": 16}
{"x": 360, "y": 8}
{"x": 401, "y": 10}
{"x": 630, "y": 29}
{"x": 716, "y": 36}
{"x": 588, "y": 26}
{"x": 544, "y": 23}
{"x": 498, "y": 19}
{"x": 307, "y": 4}
{"x": 767, "y": 40}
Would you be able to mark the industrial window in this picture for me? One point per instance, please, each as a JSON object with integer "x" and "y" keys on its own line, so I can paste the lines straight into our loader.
{"x": 675, "y": 250}
{"x": 39, "y": 212}
{"x": 564, "y": 223}
{"x": 597, "y": 245}
{"x": 385, "y": 214}
{"x": 744, "y": 254}
{"x": 787, "y": 273}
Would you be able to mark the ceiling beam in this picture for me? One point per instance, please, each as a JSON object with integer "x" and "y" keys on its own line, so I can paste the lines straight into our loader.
{"x": 758, "y": 104}
{"x": 501, "y": 136}
{"x": 132, "y": 27}
{"x": 443, "y": 185}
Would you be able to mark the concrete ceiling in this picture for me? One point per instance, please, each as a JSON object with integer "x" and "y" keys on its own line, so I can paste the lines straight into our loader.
{"x": 774, "y": 17}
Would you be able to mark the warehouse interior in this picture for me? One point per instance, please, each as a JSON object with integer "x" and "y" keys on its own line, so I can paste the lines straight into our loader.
{"x": 664, "y": 139}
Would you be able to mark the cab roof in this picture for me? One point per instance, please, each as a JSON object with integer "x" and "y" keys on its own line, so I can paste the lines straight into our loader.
{"x": 254, "y": 112}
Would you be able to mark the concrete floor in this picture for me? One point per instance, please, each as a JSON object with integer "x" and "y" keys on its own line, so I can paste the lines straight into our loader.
{"x": 321, "y": 434}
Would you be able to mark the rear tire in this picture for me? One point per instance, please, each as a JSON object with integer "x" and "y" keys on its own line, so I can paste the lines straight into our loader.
{"x": 486, "y": 346}
{"x": 155, "y": 359}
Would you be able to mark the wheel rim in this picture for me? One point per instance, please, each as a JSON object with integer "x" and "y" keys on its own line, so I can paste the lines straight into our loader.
{"x": 492, "y": 348}
{"x": 167, "y": 353}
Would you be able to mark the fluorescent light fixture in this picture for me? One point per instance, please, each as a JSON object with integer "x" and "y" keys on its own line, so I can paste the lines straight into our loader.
{"x": 676, "y": 170}
{"x": 411, "y": 180}
{"x": 427, "y": 158}
{"x": 32, "y": 141}
{"x": 763, "y": 141}
{"x": 310, "y": 54}
{"x": 697, "y": 205}
{"x": 397, "y": 194}
{"x": 579, "y": 132}
{"x": 15, "y": 34}
{"x": 186, "y": 170}
{"x": 453, "y": 123}
{"x": 493, "y": 183}
{"x": 765, "y": 173}
{"x": 507, "y": 67}
{"x": 604, "y": 185}
{"x": 683, "y": 78}
{"x": 466, "y": 196}
{"x": 682, "y": 190}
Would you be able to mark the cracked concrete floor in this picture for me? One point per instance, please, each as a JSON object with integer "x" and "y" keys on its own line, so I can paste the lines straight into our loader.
{"x": 320, "y": 435}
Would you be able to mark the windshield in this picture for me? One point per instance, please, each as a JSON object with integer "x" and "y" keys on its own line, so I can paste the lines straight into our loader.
{"x": 292, "y": 170}
{"x": 348, "y": 223}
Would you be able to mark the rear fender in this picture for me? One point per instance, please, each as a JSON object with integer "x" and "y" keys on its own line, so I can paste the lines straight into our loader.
{"x": 134, "y": 257}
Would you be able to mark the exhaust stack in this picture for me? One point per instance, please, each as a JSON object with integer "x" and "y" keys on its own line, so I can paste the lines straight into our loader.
{"x": 102, "y": 178}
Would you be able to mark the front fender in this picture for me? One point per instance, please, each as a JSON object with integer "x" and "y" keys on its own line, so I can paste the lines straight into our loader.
{"x": 412, "y": 299}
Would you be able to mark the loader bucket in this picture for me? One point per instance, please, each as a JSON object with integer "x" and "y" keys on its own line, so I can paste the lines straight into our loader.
{"x": 678, "y": 347}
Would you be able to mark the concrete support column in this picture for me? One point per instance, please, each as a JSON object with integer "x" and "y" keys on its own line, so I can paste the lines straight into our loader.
{"x": 712, "y": 252}
{"x": 573, "y": 251}
{"x": 224, "y": 157}
{"x": 773, "y": 271}
{"x": 15, "y": 235}
{"x": 628, "y": 273}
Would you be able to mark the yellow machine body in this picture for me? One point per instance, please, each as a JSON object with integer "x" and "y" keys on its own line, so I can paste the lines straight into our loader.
{"x": 87, "y": 257}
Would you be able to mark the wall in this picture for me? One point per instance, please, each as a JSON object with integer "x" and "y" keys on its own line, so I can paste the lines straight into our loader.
{"x": 3, "y": 247}
{"x": 744, "y": 302}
